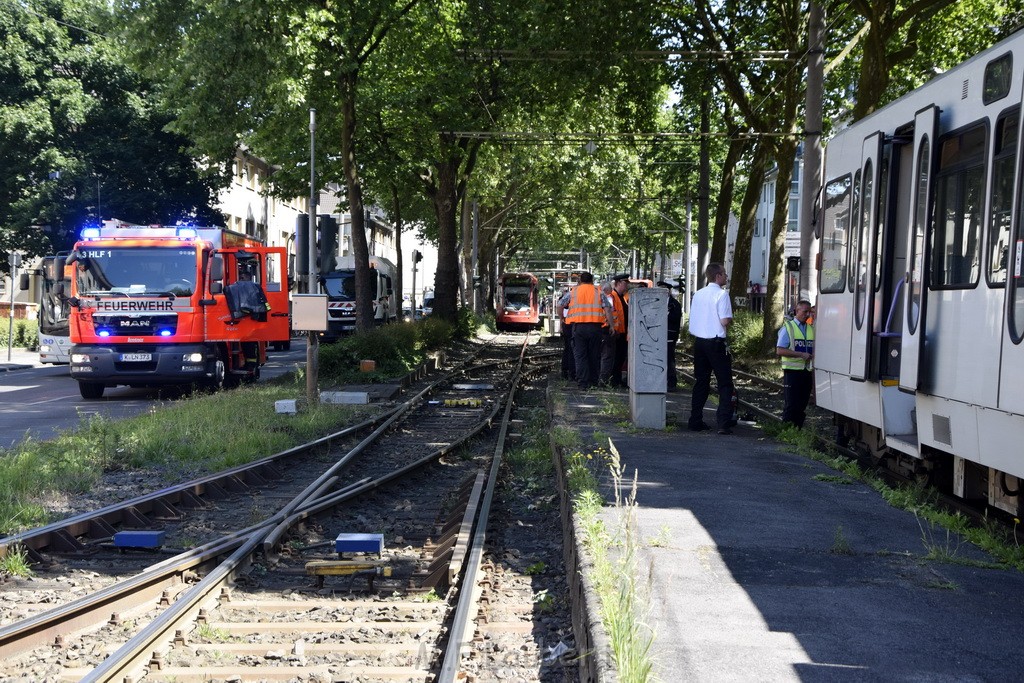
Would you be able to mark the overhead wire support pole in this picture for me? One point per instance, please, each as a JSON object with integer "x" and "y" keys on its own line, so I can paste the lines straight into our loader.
{"x": 475, "y": 276}
{"x": 312, "y": 344}
{"x": 810, "y": 186}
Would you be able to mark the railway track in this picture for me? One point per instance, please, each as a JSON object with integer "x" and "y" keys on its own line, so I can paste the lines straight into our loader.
{"x": 274, "y": 599}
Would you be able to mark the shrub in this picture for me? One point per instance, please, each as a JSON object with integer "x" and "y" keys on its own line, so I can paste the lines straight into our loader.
{"x": 26, "y": 333}
{"x": 745, "y": 334}
{"x": 465, "y": 324}
{"x": 396, "y": 349}
{"x": 433, "y": 333}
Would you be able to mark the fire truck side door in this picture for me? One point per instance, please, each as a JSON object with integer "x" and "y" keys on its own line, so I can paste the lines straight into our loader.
{"x": 267, "y": 266}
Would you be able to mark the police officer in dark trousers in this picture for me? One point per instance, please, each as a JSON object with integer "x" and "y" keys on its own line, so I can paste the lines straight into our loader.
{"x": 710, "y": 317}
{"x": 795, "y": 347}
{"x": 675, "y": 319}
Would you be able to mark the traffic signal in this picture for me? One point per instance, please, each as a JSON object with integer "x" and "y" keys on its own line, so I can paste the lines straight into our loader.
{"x": 416, "y": 256}
{"x": 793, "y": 263}
{"x": 328, "y": 243}
{"x": 302, "y": 244}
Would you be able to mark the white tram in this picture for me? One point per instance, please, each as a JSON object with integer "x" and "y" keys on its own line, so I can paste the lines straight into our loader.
{"x": 920, "y": 311}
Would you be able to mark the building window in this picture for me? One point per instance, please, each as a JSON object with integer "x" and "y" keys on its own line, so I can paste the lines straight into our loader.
{"x": 794, "y": 215}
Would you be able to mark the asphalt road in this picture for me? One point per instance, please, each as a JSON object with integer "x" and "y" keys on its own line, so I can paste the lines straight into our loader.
{"x": 40, "y": 401}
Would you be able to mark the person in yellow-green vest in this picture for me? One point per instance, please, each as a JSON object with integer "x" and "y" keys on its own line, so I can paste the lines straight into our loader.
{"x": 796, "y": 349}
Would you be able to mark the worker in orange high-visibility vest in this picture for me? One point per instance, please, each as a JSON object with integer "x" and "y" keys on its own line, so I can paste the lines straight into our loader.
{"x": 613, "y": 353}
{"x": 588, "y": 312}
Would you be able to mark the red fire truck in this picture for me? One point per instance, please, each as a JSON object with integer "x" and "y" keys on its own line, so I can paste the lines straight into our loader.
{"x": 165, "y": 306}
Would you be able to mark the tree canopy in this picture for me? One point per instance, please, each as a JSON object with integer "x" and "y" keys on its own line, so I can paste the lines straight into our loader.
{"x": 80, "y": 134}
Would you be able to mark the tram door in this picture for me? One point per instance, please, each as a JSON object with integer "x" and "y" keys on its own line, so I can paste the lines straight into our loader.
{"x": 1008, "y": 263}
{"x": 926, "y": 123}
{"x": 863, "y": 263}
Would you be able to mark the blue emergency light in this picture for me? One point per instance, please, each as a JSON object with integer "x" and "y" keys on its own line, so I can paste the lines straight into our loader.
{"x": 187, "y": 233}
{"x": 165, "y": 332}
{"x": 103, "y": 332}
{"x": 90, "y": 233}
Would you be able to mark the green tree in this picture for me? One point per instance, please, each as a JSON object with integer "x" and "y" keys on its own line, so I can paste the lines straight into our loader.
{"x": 507, "y": 73}
{"x": 80, "y": 135}
{"x": 248, "y": 71}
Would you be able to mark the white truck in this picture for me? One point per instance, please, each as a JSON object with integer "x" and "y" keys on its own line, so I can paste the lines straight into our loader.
{"x": 340, "y": 287}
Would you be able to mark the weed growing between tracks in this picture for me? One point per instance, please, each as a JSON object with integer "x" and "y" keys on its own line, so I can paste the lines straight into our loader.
{"x": 614, "y": 578}
{"x": 15, "y": 563}
{"x": 991, "y": 537}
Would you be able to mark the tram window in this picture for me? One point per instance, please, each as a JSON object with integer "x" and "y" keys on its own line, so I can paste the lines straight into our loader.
{"x": 835, "y": 228}
{"x": 854, "y": 231}
{"x": 1015, "y": 261}
{"x": 998, "y": 75}
{"x": 1002, "y": 196}
{"x": 859, "y": 270}
{"x": 883, "y": 215}
{"x": 917, "y": 245}
{"x": 959, "y": 200}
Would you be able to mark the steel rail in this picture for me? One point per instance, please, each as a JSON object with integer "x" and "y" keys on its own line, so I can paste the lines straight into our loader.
{"x": 467, "y": 604}
{"x": 136, "y": 654}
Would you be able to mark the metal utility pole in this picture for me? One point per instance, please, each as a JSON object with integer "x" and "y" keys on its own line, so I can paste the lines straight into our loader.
{"x": 412, "y": 303}
{"x": 686, "y": 266}
{"x": 704, "y": 185}
{"x": 14, "y": 260}
{"x": 474, "y": 276}
{"x": 312, "y": 344}
{"x": 810, "y": 185}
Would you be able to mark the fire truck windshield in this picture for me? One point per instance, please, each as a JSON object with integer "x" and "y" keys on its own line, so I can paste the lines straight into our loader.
{"x": 136, "y": 271}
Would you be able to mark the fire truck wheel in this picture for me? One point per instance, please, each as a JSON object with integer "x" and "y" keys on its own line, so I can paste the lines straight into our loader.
{"x": 216, "y": 383}
{"x": 90, "y": 389}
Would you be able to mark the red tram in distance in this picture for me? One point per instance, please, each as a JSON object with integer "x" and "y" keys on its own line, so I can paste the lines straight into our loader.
{"x": 518, "y": 308}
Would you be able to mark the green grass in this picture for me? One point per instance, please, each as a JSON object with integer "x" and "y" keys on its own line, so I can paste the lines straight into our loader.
{"x": 15, "y": 563}
{"x": 623, "y": 602}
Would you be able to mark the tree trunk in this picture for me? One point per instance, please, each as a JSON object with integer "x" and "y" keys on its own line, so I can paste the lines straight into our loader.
{"x": 360, "y": 249}
{"x": 446, "y": 206}
{"x": 740, "y": 275}
{"x": 723, "y": 208}
{"x": 873, "y": 78}
{"x": 396, "y": 216}
{"x": 775, "y": 305}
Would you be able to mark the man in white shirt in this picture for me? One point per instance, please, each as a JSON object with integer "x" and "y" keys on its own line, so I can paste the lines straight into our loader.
{"x": 710, "y": 317}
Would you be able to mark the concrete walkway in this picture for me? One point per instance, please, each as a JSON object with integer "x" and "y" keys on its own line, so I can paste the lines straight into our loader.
{"x": 763, "y": 565}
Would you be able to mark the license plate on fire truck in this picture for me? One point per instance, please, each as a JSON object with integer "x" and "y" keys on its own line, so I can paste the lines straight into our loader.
{"x": 136, "y": 357}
